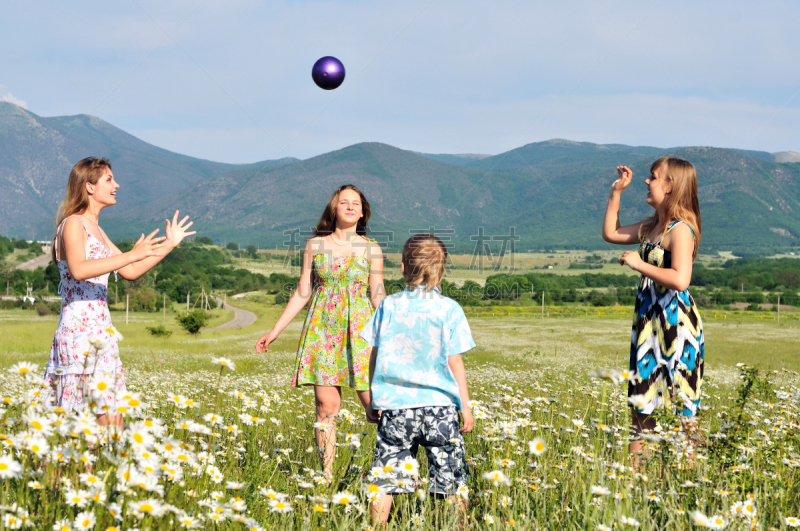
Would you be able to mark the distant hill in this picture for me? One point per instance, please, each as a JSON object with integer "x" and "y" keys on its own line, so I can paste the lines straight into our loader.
{"x": 37, "y": 153}
{"x": 553, "y": 193}
{"x": 461, "y": 159}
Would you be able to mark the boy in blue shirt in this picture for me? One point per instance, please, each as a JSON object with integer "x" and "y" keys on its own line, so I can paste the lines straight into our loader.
{"x": 417, "y": 380}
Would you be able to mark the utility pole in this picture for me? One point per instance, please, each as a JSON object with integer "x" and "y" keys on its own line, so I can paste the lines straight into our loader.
{"x": 542, "y": 304}
{"x": 127, "y": 300}
{"x": 187, "y": 302}
{"x": 779, "y": 307}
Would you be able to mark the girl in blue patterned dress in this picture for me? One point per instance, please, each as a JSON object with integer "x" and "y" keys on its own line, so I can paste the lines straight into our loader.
{"x": 667, "y": 344}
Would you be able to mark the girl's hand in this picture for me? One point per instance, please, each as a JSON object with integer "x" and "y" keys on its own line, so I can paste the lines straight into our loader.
{"x": 467, "y": 420}
{"x": 631, "y": 259}
{"x": 176, "y": 231}
{"x": 625, "y": 177}
{"x": 147, "y": 246}
{"x": 264, "y": 342}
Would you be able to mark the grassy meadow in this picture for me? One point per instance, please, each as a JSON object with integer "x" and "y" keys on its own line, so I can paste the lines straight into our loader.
{"x": 211, "y": 448}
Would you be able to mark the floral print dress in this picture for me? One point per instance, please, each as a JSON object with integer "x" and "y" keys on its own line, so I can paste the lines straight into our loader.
{"x": 84, "y": 370}
{"x": 331, "y": 351}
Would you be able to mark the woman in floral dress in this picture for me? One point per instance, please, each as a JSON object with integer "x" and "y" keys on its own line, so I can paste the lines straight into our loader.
{"x": 84, "y": 370}
{"x": 342, "y": 276}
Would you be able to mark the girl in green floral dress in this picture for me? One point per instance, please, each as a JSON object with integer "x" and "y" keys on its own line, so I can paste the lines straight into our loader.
{"x": 342, "y": 277}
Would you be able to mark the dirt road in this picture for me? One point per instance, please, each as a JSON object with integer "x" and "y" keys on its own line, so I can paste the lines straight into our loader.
{"x": 39, "y": 261}
{"x": 241, "y": 318}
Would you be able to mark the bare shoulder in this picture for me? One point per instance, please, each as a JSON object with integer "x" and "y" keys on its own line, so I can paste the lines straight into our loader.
{"x": 680, "y": 235}
{"x": 374, "y": 251}
{"x": 313, "y": 244}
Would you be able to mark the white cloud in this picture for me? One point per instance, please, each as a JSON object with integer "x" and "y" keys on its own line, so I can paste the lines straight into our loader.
{"x": 8, "y": 97}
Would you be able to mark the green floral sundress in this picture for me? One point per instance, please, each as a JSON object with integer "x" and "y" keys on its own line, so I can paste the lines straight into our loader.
{"x": 331, "y": 351}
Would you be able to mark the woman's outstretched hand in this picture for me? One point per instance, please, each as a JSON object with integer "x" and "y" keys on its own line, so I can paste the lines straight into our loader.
{"x": 177, "y": 231}
{"x": 147, "y": 246}
{"x": 264, "y": 342}
{"x": 625, "y": 177}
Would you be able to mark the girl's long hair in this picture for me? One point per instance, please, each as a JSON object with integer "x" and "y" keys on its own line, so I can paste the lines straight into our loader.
{"x": 76, "y": 200}
{"x": 327, "y": 221}
{"x": 682, "y": 202}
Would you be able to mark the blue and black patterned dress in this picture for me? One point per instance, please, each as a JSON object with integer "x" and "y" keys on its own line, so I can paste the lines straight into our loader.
{"x": 667, "y": 349}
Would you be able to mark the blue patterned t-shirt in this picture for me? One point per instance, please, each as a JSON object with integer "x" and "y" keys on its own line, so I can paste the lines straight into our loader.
{"x": 415, "y": 332}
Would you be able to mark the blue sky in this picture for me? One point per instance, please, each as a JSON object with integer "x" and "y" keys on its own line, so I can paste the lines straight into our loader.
{"x": 231, "y": 81}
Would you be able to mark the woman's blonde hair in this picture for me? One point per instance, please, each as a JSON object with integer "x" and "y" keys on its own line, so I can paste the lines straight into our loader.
{"x": 327, "y": 221}
{"x": 424, "y": 257}
{"x": 682, "y": 202}
{"x": 76, "y": 200}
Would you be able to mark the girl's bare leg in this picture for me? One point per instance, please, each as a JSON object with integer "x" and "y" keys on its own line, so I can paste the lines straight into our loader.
{"x": 114, "y": 419}
{"x": 639, "y": 422}
{"x": 328, "y": 401}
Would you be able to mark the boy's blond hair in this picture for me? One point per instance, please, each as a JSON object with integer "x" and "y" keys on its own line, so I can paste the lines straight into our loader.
{"x": 424, "y": 258}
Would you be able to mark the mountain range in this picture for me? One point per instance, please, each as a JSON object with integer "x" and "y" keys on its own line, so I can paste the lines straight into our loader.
{"x": 552, "y": 193}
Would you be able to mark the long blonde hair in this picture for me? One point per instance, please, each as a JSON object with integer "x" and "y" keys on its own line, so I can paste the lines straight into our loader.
{"x": 76, "y": 199}
{"x": 682, "y": 202}
{"x": 424, "y": 258}
{"x": 327, "y": 221}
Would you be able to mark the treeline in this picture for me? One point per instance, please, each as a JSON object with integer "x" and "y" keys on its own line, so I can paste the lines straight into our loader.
{"x": 8, "y": 245}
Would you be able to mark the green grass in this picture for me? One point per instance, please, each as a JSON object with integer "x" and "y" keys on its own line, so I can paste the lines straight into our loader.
{"x": 529, "y": 375}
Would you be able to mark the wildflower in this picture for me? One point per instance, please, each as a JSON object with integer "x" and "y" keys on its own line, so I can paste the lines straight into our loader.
{"x": 280, "y": 506}
{"x": 149, "y": 507}
{"x": 24, "y": 368}
{"x": 628, "y": 521}
{"x": 505, "y": 463}
{"x": 213, "y": 419}
{"x": 488, "y": 519}
{"x": 342, "y": 498}
{"x": 62, "y": 525}
{"x": 90, "y": 480}
{"x": 600, "y": 490}
{"x": 76, "y": 498}
{"x": 496, "y": 477}
{"x": 700, "y": 519}
{"x": 224, "y": 362}
{"x": 716, "y": 522}
{"x": 38, "y": 422}
{"x": 320, "y": 508}
{"x": 84, "y": 520}
{"x": 409, "y": 466}
{"x": 792, "y": 521}
{"x": 462, "y": 491}
{"x": 537, "y": 446}
{"x": 505, "y": 501}
{"x": 417, "y": 520}
{"x": 37, "y": 445}
{"x": 637, "y": 401}
{"x": 188, "y": 522}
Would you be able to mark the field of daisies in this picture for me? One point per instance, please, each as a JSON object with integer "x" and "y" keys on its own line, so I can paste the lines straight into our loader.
{"x": 215, "y": 438}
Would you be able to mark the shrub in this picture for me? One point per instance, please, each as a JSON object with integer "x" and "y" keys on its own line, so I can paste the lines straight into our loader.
{"x": 204, "y": 240}
{"x": 159, "y": 331}
{"x": 42, "y": 309}
{"x": 233, "y": 246}
{"x": 193, "y": 321}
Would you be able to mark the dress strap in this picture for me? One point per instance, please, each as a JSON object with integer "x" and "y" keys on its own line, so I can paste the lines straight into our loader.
{"x": 672, "y": 225}
{"x": 60, "y": 231}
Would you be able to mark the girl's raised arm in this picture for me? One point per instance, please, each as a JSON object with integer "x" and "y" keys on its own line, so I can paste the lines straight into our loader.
{"x": 73, "y": 235}
{"x": 298, "y": 299}
{"x": 612, "y": 231}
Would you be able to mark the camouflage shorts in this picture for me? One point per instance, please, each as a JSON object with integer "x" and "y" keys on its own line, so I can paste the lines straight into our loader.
{"x": 402, "y": 431}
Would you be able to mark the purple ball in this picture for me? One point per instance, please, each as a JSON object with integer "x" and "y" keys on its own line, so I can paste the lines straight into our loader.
{"x": 328, "y": 73}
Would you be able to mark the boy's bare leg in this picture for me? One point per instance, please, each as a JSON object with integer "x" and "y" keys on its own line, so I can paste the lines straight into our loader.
{"x": 381, "y": 509}
{"x": 328, "y": 401}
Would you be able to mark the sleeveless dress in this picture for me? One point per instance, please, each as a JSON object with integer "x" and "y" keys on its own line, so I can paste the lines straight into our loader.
{"x": 84, "y": 370}
{"x": 331, "y": 351}
{"x": 667, "y": 344}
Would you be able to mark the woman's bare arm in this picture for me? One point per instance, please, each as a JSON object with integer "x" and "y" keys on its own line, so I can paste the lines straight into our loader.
{"x": 176, "y": 232}
{"x": 612, "y": 231}
{"x": 678, "y": 277}
{"x": 73, "y": 237}
{"x": 376, "y": 289}
{"x": 297, "y": 301}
